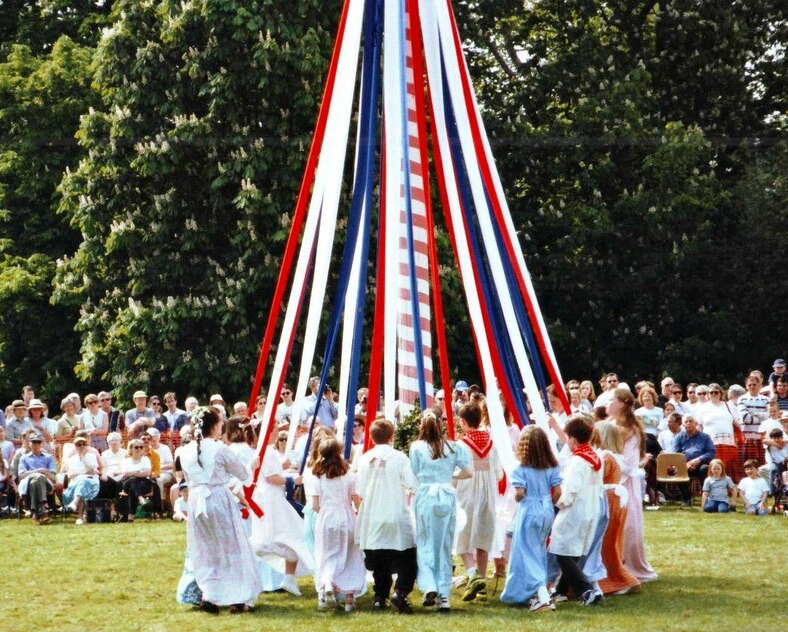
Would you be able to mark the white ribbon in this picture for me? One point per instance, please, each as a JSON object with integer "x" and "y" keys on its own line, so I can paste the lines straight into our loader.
{"x": 200, "y": 493}
{"x": 620, "y": 491}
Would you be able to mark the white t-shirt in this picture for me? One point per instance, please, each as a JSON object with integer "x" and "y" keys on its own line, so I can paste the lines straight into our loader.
{"x": 113, "y": 462}
{"x": 666, "y": 439}
{"x": 181, "y": 506}
{"x": 717, "y": 421}
{"x": 93, "y": 422}
{"x": 130, "y": 467}
{"x": 165, "y": 454}
{"x": 651, "y": 419}
{"x": 753, "y": 488}
{"x": 79, "y": 465}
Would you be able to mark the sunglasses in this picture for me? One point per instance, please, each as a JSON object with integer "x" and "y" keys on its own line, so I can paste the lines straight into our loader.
{"x": 439, "y": 399}
{"x": 285, "y": 393}
{"x": 677, "y": 392}
{"x": 282, "y": 439}
{"x": 137, "y": 447}
{"x": 718, "y": 392}
{"x": 105, "y": 399}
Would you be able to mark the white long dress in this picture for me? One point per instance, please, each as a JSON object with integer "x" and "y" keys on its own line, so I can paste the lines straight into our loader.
{"x": 278, "y": 535}
{"x": 220, "y": 554}
{"x": 338, "y": 560}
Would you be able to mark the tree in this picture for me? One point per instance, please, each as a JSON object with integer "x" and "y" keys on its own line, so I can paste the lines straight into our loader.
{"x": 193, "y": 165}
{"x": 623, "y": 132}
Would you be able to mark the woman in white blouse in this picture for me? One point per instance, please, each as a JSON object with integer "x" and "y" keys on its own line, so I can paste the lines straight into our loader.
{"x": 135, "y": 474}
{"x": 83, "y": 478}
{"x": 719, "y": 419}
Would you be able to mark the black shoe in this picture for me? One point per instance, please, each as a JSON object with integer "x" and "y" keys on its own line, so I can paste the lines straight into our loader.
{"x": 430, "y": 599}
{"x": 402, "y": 605}
{"x": 591, "y": 598}
{"x": 210, "y": 608}
{"x": 380, "y": 603}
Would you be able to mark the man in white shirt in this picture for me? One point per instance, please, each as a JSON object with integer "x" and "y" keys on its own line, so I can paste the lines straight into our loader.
{"x": 384, "y": 530}
{"x": 176, "y": 417}
{"x": 284, "y": 411}
{"x": 167, "y": 477}
{"x": 611, "y": 384}
{"x": 667, "y": 436}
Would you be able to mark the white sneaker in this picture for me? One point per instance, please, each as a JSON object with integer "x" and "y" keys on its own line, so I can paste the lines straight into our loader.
{"x": 79, "y": 521}
{"x": 541, "y": 606}
{"x": 289, "y": 584}
{"x": 458, "y": 581}
{"x": 443, "y": 604}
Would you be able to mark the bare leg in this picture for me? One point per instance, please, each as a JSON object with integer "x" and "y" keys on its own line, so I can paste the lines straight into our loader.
{"x": 290, "y": 567}
{"x": 481, "y": 562}
{"x": 469, "y": 560}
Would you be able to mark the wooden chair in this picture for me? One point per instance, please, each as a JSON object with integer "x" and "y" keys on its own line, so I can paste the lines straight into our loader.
{"x": 672, "y": 469}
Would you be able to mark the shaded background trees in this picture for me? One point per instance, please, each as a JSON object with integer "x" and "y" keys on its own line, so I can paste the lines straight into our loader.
{"x": 148, "y": 171}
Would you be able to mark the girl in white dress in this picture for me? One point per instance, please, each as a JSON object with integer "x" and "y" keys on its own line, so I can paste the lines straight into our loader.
{"x": 339, "y": 561}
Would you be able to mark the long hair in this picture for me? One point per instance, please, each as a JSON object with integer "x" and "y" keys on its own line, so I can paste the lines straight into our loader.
{"x": 430, "y": 433}
{"x": 721, "y": 464}
{"x": 203, "y": 422}
{"x": 318, "y": 436}
{"x": 533, "y": 449}
{"x": 607, "y": 436}
{"x": 239, "y": 430}
{"x": 331, "y": 463}
{"x": 627, "y": 419}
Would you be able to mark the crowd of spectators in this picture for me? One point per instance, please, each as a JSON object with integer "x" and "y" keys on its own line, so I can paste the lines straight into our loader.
{"x": 120, "y": 465}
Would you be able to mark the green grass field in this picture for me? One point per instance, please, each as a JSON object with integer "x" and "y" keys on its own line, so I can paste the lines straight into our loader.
{"x": 716, "y": 572}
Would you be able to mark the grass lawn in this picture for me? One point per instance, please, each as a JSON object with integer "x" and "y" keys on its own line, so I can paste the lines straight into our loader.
{"x": 716, "y": 572}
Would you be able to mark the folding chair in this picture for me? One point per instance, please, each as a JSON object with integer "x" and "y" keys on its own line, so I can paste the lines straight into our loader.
{"x": 672, "y": 469}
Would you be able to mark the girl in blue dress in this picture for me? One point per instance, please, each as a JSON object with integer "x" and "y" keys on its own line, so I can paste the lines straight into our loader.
{"x": 537, "y": 485}
{"x": 434, "y": 461}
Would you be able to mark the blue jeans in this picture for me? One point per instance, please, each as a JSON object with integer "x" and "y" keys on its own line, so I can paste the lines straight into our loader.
{"x": 755, "y": 510}
{"x": 716, "y": 506}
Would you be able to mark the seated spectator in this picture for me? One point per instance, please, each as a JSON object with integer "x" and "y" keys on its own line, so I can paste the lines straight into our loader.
{"x": 773, "y": 422}
{"x": 117, "y": 421}
{"x": 191, "y": 405}
{"x": 715, "y": 489}
{"x": 137, "y": 484}
{"x": 7, "y": 486}
{"x": 166, "y": 475}
{"x": 95, "y": 421}
{"x": 669, "y": 410}
{"x": 83, "y": 478}
{"x": 37, "y": 479}
{"x": 42, "y": 424}
{"x": 668, "y": 436}
{"x": 7, "y": 448}
{"x": 186, "y": 439}
{"x": 240, "y": 409}
{"x": 112, "y": 467}
{"x": 358, "y": 430}
{"x": 176, "y": 417}
{"x": 781, "y": 393}
{"x": 70, "y": 448}
{"x": 160, "y": 422}
{"x": 180, "y": 508}
{"x": 698, "y": 449}
{"x": 139, "y": 427}
{"x": 16, "y": 425}
{"x": 68, "y": 423}
{"x": 754, "y": 489}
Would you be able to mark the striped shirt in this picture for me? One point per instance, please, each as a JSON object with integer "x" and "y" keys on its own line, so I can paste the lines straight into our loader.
{"x": 752, "y": 410}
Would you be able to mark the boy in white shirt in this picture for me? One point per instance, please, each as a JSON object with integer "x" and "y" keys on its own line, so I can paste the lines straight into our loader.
{"x": 754, "y": 489}
{"x": 180, "y": 509}
{"x": 384, "y": 530}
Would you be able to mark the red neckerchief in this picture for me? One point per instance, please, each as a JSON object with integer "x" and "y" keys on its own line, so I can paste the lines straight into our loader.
{"x": 478, "y": 441}
{"x": 586, "y": 452}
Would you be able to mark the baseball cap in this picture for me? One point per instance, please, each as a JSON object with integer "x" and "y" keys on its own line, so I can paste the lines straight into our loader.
{"x": 778, "y": 363}
{"x": 461, "y": 386}
{"x": 37, "y": 438}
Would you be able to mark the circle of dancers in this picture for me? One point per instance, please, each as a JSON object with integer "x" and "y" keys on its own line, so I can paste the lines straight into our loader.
{"x": 566, "y": 524}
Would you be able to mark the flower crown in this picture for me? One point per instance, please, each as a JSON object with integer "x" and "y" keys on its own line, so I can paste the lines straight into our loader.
{"x": 197, "y": 419}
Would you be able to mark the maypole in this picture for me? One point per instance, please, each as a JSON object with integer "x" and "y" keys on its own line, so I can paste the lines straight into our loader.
{"x": 406, "y": 45}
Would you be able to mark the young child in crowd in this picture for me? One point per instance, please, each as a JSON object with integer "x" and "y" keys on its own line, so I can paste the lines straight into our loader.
{"x": 715, "y": 489}
{"x": 339, "y": 563}
{"x": 384, "y": 530}
{"x": 754, "y": 489}
{"x": 777, "y": 452}
{"x": 180, "y": 510}
{"x": 575, "y": 525}
{"x": 537, "y": 485}
{"x": 477, "y": 498}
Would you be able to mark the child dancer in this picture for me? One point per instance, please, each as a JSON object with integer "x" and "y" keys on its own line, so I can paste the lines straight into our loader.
{"x": 575, "y": 525}
{"x": 434, "y": 460}
{"x": 477, "y": 497}
{"x": 715, "y": 489}
{"x": 537, "y": 484}
{"x": 384, "y": 530}
{"x": 619, "y": 581}
{"x": 339, "y": 563}
{"x": 754, "y": 489}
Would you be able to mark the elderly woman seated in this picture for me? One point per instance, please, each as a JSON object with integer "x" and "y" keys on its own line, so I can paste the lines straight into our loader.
{"x": 112, "y": 467}
{"x": 82, "y": 469}
{"x": 136, "y": 482}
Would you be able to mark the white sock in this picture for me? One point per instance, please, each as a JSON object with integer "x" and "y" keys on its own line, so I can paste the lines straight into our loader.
{"x": 543, "y": 595}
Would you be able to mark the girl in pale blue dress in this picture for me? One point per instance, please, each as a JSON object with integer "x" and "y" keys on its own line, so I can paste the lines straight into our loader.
{"x": 537, "y": 483}
{"x": 434, "y": 461}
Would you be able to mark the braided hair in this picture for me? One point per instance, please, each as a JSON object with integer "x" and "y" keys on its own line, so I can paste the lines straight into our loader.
{"x": 203, "y": 420}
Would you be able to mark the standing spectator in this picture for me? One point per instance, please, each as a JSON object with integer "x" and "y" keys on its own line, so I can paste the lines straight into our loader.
{"x": 649, "y": 413}
{"x": 95, "y": 421}
{"x": 667, "y": 392}
{"x": 459, "y": 396}
{"x": 781, "y": 393}
{"x": 610, "y": 382}
{"x": 160, "y": 422}
{"x": 77, "y": 401}
{"x": 176, "y": 418}
{"x": 43, "y": 425}
{"x": 718, "y": 419}
{"x": 259, "y": 410}
{"x": 284, "y": 411}
{"x": 18, "y": 423}
{"x": 677, "y": 391}
{"x": 361, "y": 401}
{"x": 702, "y": 391}
{"x": 37, "y": 478}
{"x": 440, "y": 403}
{"x": 28, "y": 394}
{"x": 68, "y": 424}
{"x": 140, "y": 409}
{"x": 217, "y": 402}
{"x": 191, "y": 404}
{"x": 240, "y": 409}
{"x": 752, "y": 411}
{"x": 116, "y": 420}
{"x": 587, "y": 393}
{"x": 327, "y": 412}
{"x": 778, "y": 371}
{"x": 576, "y": 403}
{"x": 698, "y": 449}
{"x": 692, "y": 397}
